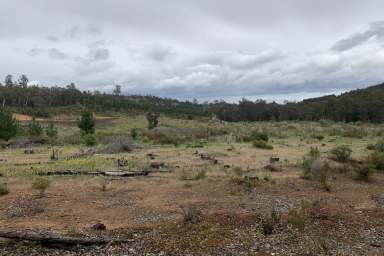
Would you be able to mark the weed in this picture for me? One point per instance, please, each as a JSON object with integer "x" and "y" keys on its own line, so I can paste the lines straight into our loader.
{"x": 364, "y": 172}
{"x": 238, "y": 171}
{"x": 267, "y": 177}
{"x": 341, "y": 153}
{"x": 308, "y": 160}
{"x": 41, "y": 184}
{"x": 262, "y": 144}
{"x": 298, "y": 219}
{"x": 105, "y": 184}
{"x": 4, "y": 189}
{"x": 90, "y": 140}
{"x": 376, "y": 159}
{"x": 379, "y": 147}
{"x": 257, "y": 135}
{"x": 202, "y": 174}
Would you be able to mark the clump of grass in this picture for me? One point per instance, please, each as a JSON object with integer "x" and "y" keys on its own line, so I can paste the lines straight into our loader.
{"x": 379, "y": 147}
{"x": 41, "y": 184}
{"x": 370, "y": 147}
{"x": 262, "y": 144}
{"x": 298, "y": 219}
{"x": 364, "y": 172}
{"x": 267, "y": 176}
{"x": 376, "y": 159}
{"x": 202, "y": 174}
{"x": 238, "y": 171}
{"x": 341, "y": 153}
{"x": 270, "y": 222}
{"x": 248, "y": 183}
{"x": 90, "y": 140}
{"x": 257, "y": 135}
{"x": 105, "y": 184}
{"x": 308, "y": 160}
{"x": 4, "y": 189}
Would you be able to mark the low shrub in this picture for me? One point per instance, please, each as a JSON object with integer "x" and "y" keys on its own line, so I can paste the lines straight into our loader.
{"x": 341, "y": 153}
{"x": 308, "y": 160}
{"x": 90, "y": 140}
{"x": 202, "y": 174}
{"x": 134, "y": 133}
{"x": 370, "y": 147}
{"x": 262, "y": 144}
{"x": 3, "y": 189}
{"x": 41, "y": 184}
{"x": 364, "y": 172}
{"x": 379, "y": 147}
{"x": 376, "y": 159}
{"x": 298, "y": 219}
{"x": 257, "y": 135}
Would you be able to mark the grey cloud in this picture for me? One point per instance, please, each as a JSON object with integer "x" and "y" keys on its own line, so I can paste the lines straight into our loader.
{"x": 196, "y": 48}
{"x": 35, "y": 51}
{"x": 160, "y": 53}
{"x": 376, "y": 30}
{"x": 52, "y": 38}
{"x": 98, "y": 54}
{"x": 56, "y": 54}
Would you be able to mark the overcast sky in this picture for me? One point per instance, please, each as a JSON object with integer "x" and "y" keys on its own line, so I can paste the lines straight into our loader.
{"x": 204, "y": 49}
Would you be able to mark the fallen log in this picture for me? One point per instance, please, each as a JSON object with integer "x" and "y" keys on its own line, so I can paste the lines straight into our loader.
{"x": 95, "y": 173}
{"x": 54, "y": 238}
{"x": 120, "y": 173}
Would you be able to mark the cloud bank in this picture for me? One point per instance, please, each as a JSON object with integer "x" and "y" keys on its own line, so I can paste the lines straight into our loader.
{"x": 207, "y": 49}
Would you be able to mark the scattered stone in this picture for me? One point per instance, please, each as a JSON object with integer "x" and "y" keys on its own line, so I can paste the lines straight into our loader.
{"x": 157, "y": 165}
{"x": 98, "y": 226}
{"x": 273, "y": 168}
{"x": 29, "y": 151}
{"x": 274, "y": 159}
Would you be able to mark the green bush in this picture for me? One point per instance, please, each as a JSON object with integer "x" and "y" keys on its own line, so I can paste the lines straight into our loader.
{"x": 262, "y": 144}
{"x": 341, "y": 153}
{"x": 90, "y": 140}
{"x": 379, "y": 147}
{"x": 51, "y": 131}
{"x": 257, "y": 135}
{"x": 134, "y": 133}
{"x": 8, "y": 125}
{"x": 376, "y": 159}
{"x": 202, "y": 174}
{"x": 3, "y": 189}
{"x": 370, "y": 147}
{"x": 308, "y": 160}
{"x": 34, "y": 128}
{"x": 364, "y": 171}
{"x": 87, "y": 123}
{"x": 41, "y": 184}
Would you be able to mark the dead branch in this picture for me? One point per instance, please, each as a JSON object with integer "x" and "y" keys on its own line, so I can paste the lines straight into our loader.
{"x": 54, "y": 238}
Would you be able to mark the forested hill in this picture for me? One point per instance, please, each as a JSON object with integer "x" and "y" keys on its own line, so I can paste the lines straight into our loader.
{"x": 39, "y": 101}
{"x": 358, "y": 105}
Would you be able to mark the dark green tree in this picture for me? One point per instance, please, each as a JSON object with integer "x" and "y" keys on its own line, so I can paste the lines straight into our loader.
{"x": 8, "y": 81}
{"x": 35, "y": 128}
{"x": 153, "y": 119}
{"x": 23, "y": 81}
{"x": 51, "y": 131}
{"x": 8, "y": 125}
{"x": 87, "y": 123}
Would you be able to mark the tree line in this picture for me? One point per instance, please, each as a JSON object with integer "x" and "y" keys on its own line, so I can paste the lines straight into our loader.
{"x": 38, "y": 100}
{"x": 357, "y": 105}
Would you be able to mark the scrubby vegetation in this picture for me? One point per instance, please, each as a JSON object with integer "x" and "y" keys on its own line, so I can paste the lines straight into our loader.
{"x": 193, "y": 181}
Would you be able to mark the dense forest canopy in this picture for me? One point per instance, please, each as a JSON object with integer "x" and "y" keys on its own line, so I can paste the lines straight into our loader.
{"x": 37, "y": 100}
{"x": 358, "y": 105}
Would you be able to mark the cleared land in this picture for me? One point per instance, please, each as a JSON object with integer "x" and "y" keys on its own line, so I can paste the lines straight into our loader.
{"x": 208, "y": 192}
